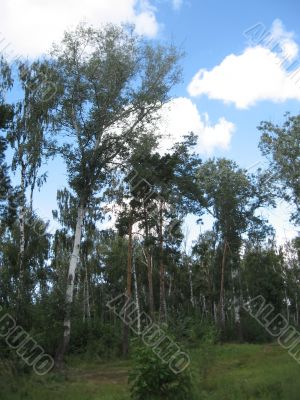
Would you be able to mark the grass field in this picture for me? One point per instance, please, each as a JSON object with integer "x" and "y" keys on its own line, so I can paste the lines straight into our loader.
{"x": 227, "y": 372}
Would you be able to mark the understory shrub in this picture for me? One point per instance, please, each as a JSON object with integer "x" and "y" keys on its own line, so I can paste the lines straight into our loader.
{"x": 152, "y": 379}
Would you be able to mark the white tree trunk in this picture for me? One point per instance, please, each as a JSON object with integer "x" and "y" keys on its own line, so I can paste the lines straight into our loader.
{"x": 297, "y": 310}
{"x": 215, "y": 312}
{"x": 70, "y": 286}
{"x": 75, "y": 256}
{"x": 138, "y": 309}
{"x": 22, "y": 219}
{"x": 87, "y": 293}
{"x": 170, "y": 286}
{"x": 287, "y": 305}
{"x": 191, "y": 285}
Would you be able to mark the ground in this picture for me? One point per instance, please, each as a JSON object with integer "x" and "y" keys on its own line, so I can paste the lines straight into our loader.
{"x": 222, "y": 372}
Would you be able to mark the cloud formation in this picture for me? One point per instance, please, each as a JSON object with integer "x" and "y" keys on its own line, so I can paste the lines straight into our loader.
{"x": 177, "y": 4}
{"x": 30, "y": 26}
{"x": 180, "y": 116}
{"x": 268, "y": 69}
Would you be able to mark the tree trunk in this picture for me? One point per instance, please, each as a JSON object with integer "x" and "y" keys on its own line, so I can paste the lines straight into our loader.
{"x": 87, "y": 292}
{"x": 150, "y": 283}
{"x": 287, "y": 305}
{"x": 237, "y": 314}
{"x": 149, "y": 267}
{"x": 297, "y": 310}
{"x": 59, "y": 358}
{"x": 162, "y": 298}
{"x": 128, "y": 287}
{"x": 222, "y": 300}
{"x": 170, "y": 287}
{"x": 32, "y": 187}
{"x": 86, "y": 295}
{"x": 215, "y": 313}
{"x": 137, "y": 301}
{"x": 191, "y": 285}
{"x": 22, "y": 217}
{"x": 22, "y": 226}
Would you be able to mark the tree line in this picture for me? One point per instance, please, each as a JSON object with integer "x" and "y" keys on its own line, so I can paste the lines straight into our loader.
{"x": 94, "y": 103}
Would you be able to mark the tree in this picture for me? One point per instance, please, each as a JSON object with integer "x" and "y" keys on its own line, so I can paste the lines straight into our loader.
{"x": 232, "y": 197}
{"x": 6, "y": 83}
{"x": 6, "y": 114}
{"x": 263, "y": 273}
{"x": 281, "y": 144}
{"x": 27, "y": 136}
{"x": 291, "y": 274}
{"x": 111, "y": 83}
{"x": 160, "y": 190}
{"x": 205, "y": 276}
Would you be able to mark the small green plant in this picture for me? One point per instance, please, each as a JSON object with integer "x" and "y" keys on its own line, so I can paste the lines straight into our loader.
{"x": 152, "y": 379}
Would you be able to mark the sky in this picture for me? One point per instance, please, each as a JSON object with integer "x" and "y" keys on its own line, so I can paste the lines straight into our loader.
{"x": 241, "y": 66}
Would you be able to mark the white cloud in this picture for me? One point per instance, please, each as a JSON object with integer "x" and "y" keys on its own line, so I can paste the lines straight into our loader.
{"x": 30, "y": 26}
{"x": 279, "y": 39}
{"x": 177, "y": 4}
{"x": 259, "y": 73}
{"x": 279, "y": 219}
{"x": 180, "y": 116}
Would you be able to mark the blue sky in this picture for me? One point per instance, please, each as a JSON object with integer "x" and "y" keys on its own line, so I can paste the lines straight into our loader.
{"x": 229, "y": 83}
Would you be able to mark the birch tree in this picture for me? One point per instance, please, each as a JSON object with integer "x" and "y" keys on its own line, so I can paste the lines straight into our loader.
{"x": 281, "y": 145}
{"x": 232, "y": 198}
{"x": 27, "y": 136}
{"x": 111, "y": 83}
{"x": 6, "y": 113}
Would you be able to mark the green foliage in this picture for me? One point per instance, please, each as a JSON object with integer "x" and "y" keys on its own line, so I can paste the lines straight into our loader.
{"x": 193, "y": 330}
{"x": 254, "y": 332}
{"x": 152, "y": 379}
{"x": 263, "y": 273}
{"x": 109, "y": 85}
{"x": 96, "y": 340}
{"x": 281, "y": 144}
{"x": 234, "y": 372}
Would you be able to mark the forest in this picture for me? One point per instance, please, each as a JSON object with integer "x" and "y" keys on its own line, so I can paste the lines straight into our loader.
{"x": 119, "y": 275}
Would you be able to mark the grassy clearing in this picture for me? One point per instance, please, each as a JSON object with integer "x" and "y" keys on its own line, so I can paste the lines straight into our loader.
{"x": 246, "y": 372}
{"x": 228, "y": 372}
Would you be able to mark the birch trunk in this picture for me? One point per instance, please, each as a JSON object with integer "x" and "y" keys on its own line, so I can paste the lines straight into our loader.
{"x": 137, "y": 301}
{"x": 87, "y": 293}
{"x": 237, "y": 314}
{"x": 162, "y": 297}
{"x": 149, "y": 267}
{"x": 170, "y": 287}
{"x": 150, "y": 283}
{"x": 22, "y": 236}
{"x": 128, "y": 288}
{"x": 297, "y": 310}
{"x": 215, "y": 312}
{"x": 191, "y": 286}
{"x": 222, "y": 300}
{"x": 70, "y": 289}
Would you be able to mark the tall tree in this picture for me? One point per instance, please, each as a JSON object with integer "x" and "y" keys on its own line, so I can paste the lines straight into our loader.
{"x": 6, "y": 114}
{"x": 232, "y": 197}
{"x": 281, "y": 144}
{"x": 110, "y": 84}
{"x": 27, "y": 136}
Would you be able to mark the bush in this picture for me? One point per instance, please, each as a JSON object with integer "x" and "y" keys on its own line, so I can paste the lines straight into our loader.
{"x": 254, "y": 332}
{"x": 152, "y": 379}
{"x": 194, "y": 331}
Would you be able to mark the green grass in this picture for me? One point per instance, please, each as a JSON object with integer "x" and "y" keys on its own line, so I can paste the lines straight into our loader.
{"x": 246, "y": 372}
{"x": 228, "y": 372}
